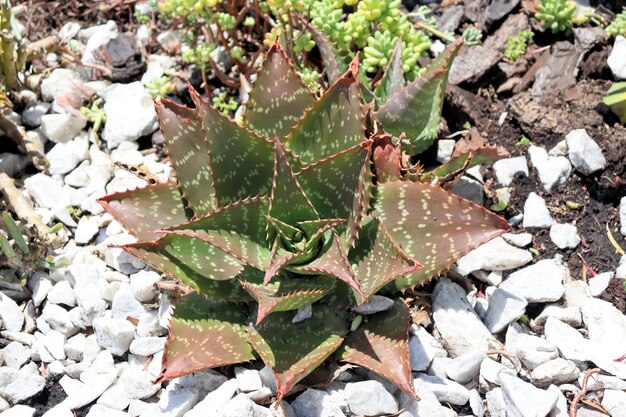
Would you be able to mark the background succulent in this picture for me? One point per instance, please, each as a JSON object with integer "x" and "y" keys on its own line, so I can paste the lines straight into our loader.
{"x": 309, "y": 203}
{"x": 617, "y": 26}
{"x": 516, "y": 45}
{"x": 557, "y": 15}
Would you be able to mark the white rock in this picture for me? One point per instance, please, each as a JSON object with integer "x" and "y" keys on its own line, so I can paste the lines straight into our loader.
{"x": 531, "y": 350}
{"x": 215, "y": 401}
{"x": 16, "y": 386}
{"x": 59, "y": 411}
{"x": 553, "y": 170}
{"x": 445, "y": 390}
{"x": 15, "y": 355}
{"x": 11, "y": 314}
{"x": 89, "y": 285}
{"x": 64, "y": 157}
{"x": 86, "y": 230}
{"x": 505, "y": 169}
{"x": 557, "y": 371}
{"x": 495, "y": 403}
{"x": 598, "y": 382}
{"x": 565, "y": 236}
{"x": 62, "y": 127}
{"x": 423, "y": 348}
{"x": 614, "y": 402}
{"x": 374, "y": 304}
{"x": 599, "y": 283}
{"x": 249, "y": 379}
{"x": 127, "y": 153}
{"x": 241, "y": 405}
{"x": 466, "y": 367}
{"x": 95, "y": 38}
{"x": 143, "y": 285}
{"x": 622, "y": 215}
{"x": 19, "y": 411}
{"x": 536, "y": 213}
{"x": 40, "y": 285}
{"x": 125, "y": 304}
{"x": 492, "y": 371}
{"x": 60, "y": 81}
{"x": 115, "y": 335}
{"x": 139, "y": 384}
{"x": 130, "y": 113}
{"x": 577, "y": 292}
{"x": 31, "y": 116}
{"x": 570, "y": 315}
{"x": 62, "y": 293}
{"x": 617, "y": 58}
{"x": 456, "y": 322}
{"x": 303, "y": 313}
{"x": 316, "y": 403}
{"x": 476, "y": 403}
{"x": 58, "y": 319}
{"x": 538, "y": 283}
{"x": 370, "y": 398}
{"x": 560, "y": 409}
{"x": 584, "y": 152}
{"x": 521, "y": 240}
{"x": 504, "y": 307}
{"x": 54, "y": 342}
{"x": 147, "y": 346}
{"x": 427, "y": 406}
{"x": 98, "y": 410}
{"x": 115, "y": 396}
{"x": 495, "y": 255}
{"x": 525, "y": 400}
{"x": 445, "y": 148}
{"x": 46, "y": 191}
{"x": 571, "y": 344}
{"x": 438, "y": 366}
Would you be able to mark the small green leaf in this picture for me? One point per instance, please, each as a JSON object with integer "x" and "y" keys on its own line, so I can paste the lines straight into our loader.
{"x": 144, "y": 211}
{"x": 278, "y": 98}
{"x": 288, "y": 202}
{"x": 292, "y": 351}
{"x": 332, "y": 125}
{"x": 14, "y": 232}
{"x": 392, "y": 80}
{"x": 381, "y": 345}
{"x": 205, "y": 333}
{"x": 376, "y": 260}
{"x": 286, "y": 292}
{"x": 8, "y": 251}
{"x": 189, "y": 154}
{"x": 432, "y": 226}
{"x": 242, "y": 162}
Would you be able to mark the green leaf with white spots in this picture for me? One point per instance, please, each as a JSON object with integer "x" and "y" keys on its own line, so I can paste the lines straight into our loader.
{"x": 334, "y": 63}
{"x": 278, "y": 98}
{"x": 433, "y": 226}
{"x": 286, "y": 293}
{"x": 292, "y": 351}
{"x": 153, "y": 254}
{"x": 415, "y": 110}
{"x": 333, "y": 184}
{"x": 376, "y": 260}
{"x": 392, "y": 80}
{"x": 288, "y": 202}
{"x": 381, "y": 345}
{"x": 205, "y": 333}
{"x": 146, "y": 210}
{"x": 458, "y": 164}
{"x": 242, "y": 162}
{"x": 331, "y": 260}
{"x": 332, "y": 125}
{"x": 187, "y": 148}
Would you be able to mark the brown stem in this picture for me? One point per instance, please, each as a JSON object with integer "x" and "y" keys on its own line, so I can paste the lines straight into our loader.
{"x": 220, "y": 34}
{"x": 9, "y": 70}
{"x": 582, "y": 392}
{"x": 225, "y": 79}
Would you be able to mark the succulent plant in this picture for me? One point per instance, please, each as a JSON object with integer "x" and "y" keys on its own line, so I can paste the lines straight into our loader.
{"x": 617, "y": 26}
{"x": 516, "y": 45}
{"x": 308, "y": 203}
{"x": 616, "y": 99}
{"x": 557, "y": 15}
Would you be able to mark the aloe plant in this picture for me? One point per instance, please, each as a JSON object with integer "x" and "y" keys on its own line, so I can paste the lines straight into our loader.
{"x": 307, "y": 202}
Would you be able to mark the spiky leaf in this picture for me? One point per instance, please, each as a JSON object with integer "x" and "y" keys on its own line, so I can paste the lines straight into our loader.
{"x": 288, "y": 202}
{"x": 334, "y": 64}
{"x": 333, "y": 124}
{"x": 205, "y": 333}
{"x": 376, "y": 259}
{"x": 144, "y": 211}
{"x": 292, "y": 351}
{"x": 187, "y": 148}
{"x": 334, "y": 183}
{"x": 416, "y": 109}
{"x": 392, "y": 80}
{"x": 241, "y": 161}
{"x": 479, "y": 156}
{"x": 381, "y": 345}
{"x": 279, "y": 98}
{"x": 432, "y": 225}
{"x": 286, "y": 292}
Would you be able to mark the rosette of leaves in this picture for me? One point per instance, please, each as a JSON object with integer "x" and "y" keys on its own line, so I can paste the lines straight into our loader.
{"x": 308, "y": 202}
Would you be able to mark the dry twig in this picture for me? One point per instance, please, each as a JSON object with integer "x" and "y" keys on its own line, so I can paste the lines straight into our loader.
{"x": 582, "y": 392}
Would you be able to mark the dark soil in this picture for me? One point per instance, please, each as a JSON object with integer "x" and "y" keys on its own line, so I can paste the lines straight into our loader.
{"x": 51, "y": 396}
